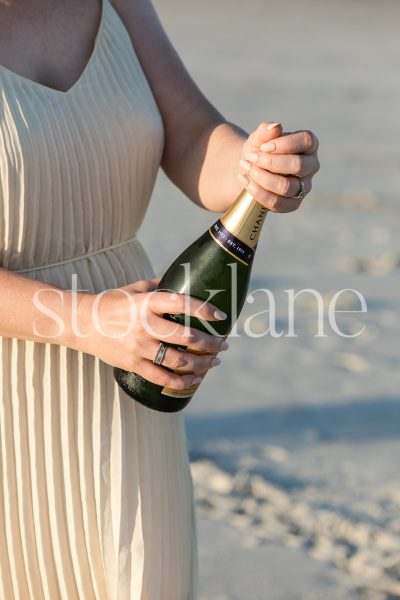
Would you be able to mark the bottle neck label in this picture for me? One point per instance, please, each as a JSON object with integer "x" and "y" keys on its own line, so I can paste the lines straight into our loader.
{"x": 229, "y": 242}
{"x": 239, "y": 228}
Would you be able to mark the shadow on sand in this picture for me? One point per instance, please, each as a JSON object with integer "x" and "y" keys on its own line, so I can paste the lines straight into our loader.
{"x": 355, "y": 421}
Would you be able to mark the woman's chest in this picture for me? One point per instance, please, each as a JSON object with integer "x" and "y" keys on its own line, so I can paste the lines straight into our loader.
{"x": 50, "y": 46}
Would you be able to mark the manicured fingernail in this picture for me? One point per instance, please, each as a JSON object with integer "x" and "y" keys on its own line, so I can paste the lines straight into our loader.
{"x": 215, "y": 362}
{"x": 219, "y": 314}
{"x": 245, "y": 164}
{"x": 245, "y": 180}
{"x": 268, "y": 147}
{"x": 272, "y": 125}
{"x": 224, "y": 345}
{"x": 197, "y": 380}
{"x": 252, "y": 156}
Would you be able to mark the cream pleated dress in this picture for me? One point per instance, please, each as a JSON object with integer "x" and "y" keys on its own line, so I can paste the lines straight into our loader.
{"x": 96, "y": 493}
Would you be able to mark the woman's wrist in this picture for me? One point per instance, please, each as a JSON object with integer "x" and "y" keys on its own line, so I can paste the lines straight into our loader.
{"x": 225, "y": 146}
{"x": 62, "y": 317}
{"x": 78, "y": 319}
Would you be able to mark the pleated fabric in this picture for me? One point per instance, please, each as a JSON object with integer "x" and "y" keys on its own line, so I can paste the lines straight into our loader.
{"x": 96, "y": 498}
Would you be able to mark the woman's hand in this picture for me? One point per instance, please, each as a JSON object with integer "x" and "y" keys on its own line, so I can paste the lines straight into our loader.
{"x": 272, "y": 164}
{"x": 124, "y": 327}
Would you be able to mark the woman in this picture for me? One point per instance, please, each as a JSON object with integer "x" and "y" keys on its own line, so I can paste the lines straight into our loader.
{"x": 96, "y": 495}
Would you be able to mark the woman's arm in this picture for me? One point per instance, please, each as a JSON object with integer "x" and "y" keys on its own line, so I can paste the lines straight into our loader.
{"x": 104, "y": 325}
{"x": 22, "y": 316}
{"x": 202, "y": 149}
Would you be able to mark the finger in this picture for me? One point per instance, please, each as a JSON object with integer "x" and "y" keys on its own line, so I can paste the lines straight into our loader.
{"x": 164, "y": 378}
{"x": 265, "y": 132}
{"x": 298, "y": 142}
{"x": 180, "y": 360}
{"x": 161, "y": 302}
{"x": 273, "y": 202}
{"x": 173, "y": 333}
{"x": 277, "y": 184}
{"x": 299, "y": 165}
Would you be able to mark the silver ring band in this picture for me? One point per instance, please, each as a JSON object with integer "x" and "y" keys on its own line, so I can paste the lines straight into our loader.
{"x": 302, "y": 190}
{"x": 159, "y": 357}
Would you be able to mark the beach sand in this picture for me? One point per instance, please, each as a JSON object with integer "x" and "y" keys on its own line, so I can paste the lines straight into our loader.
{"x": 295, "y": 442}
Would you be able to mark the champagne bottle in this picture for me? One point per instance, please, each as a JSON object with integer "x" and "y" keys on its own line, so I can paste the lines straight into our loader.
{"x": 221, "y": 259}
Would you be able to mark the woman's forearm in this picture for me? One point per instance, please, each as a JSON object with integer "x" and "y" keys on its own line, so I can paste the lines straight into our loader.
{"x": 219, "y": 184}
{"x": 33, "y": 310}
{"x": 202, "y": 151}
{"x": 207, "y": 170}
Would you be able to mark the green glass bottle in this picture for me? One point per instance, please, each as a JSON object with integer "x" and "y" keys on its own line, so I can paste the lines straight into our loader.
{"x": 221, "y": 259}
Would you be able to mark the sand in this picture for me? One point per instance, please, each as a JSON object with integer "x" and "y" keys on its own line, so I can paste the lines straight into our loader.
{"x": 295, "y": 442}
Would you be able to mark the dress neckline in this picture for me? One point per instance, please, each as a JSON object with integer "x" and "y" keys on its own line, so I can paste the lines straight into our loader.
{"x": 92, "y": 56}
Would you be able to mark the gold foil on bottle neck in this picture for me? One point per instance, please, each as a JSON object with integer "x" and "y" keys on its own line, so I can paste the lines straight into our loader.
{"x": 245, "y": 218}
